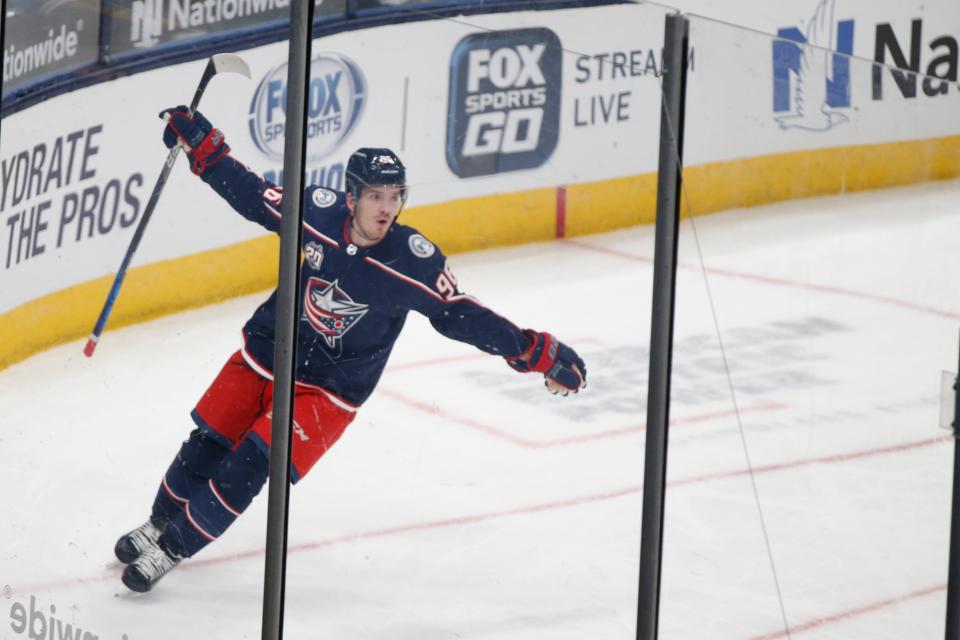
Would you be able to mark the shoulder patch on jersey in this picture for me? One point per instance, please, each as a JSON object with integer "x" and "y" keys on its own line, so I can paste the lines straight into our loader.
{"x": 313, "y": 254}
{"x": 421, "y": 247}
{"x": 324, "y": 197}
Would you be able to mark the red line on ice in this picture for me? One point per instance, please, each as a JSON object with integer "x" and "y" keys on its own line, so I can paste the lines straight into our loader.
{"x": 851, "y": 613}
{"x": 703, "y": 417}
{"x": 805, "y": 462}
{"x": 417, "y": 364}
{"x": 783, "y": 282}
{"x": 490, "y": 430}
{"x": 413, "y": 403}
{"x": 114, "y": 574}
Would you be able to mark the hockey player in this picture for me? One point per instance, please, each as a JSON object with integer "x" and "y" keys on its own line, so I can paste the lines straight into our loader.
{"x": 361, "y": 274}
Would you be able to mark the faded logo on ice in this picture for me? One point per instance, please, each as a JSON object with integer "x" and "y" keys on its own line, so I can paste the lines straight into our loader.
{"x": 811, "y": 72}
{"x": 330, "y": 311}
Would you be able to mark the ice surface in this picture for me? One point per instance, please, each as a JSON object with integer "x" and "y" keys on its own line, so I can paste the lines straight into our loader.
{"x": 466, "y": 502}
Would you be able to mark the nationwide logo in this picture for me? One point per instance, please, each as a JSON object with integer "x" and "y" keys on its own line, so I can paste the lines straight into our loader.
{"x": 811, "y": 72}
{"x": 335, "y": 104}
{"x": 149, "y": 18}
{"x": 504, "y": 110}
{"x": 146, "y": 22}
{"x": 59, "y": 45}
{"x": 330, "y": 311}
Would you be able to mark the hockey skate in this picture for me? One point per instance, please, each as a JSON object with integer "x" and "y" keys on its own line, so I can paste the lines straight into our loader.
{"x": 131, "y": 544}
{"x": 153, "y": 563}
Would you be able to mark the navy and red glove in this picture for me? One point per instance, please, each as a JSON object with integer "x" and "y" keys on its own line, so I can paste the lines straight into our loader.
{"x": 205, "y": 145}
{"x": 563, "y": 370}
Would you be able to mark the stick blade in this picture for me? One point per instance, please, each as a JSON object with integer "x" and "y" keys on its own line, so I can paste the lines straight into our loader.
{"x": 230, "y": 63}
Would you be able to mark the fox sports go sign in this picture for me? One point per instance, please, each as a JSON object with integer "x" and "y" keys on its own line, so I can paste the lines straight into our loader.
{"x": 336, "y": 100}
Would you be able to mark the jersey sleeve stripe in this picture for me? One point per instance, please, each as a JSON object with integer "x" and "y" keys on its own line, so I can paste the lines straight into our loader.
{"x": 319, "y": 235}
{"x": 276, "y": 214}
{"x": 407, "y": 279}
{"x": 452, "y": 299}
{"x": 463, "y": 296}
{"x": 466, "y": 298}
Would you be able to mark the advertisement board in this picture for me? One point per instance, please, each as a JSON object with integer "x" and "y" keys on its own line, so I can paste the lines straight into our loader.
{"x": 46, "y": 37}
{"x": 496, "y": 118}
{"x": 142, "y": 24}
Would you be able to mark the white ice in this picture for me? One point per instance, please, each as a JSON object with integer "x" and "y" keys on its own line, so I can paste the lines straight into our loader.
{"x": 466, "y": 502}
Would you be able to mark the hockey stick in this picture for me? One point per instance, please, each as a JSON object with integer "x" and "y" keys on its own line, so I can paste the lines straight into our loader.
{"x": 219, "y": 63}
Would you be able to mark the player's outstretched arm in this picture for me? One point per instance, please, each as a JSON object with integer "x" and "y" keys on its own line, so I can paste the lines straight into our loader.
{"x": 563, "y": 370}
{"x": 209, "y": 154}
{"x": 462, "y": 317}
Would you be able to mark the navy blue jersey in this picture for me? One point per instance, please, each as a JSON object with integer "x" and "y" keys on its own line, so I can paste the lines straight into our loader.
{"x": 355, "y": 299}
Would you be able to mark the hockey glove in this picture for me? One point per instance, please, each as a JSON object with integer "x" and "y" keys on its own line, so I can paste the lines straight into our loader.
{"x": 563, "y": 370}
{"x": 205, "y": 145}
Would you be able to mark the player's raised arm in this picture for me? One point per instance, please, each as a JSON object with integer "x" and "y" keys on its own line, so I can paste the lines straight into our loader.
{"x": 249, "y": 194}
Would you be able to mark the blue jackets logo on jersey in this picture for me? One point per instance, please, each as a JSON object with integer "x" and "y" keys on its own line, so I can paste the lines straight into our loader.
{"x": 330, "y": 311}
{"x": 338, "y": 92}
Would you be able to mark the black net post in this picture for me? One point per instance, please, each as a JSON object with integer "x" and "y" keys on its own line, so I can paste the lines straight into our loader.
{"x": 284, "y": 354}
{"x": 3, "y": 38}
{"x": 953, "y": 573}
{"x": 676, "y": 34}
{"x": 106, "y": 26}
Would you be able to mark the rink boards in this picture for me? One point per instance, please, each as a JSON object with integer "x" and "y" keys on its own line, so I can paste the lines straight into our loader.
{"x": 516, "y": 128}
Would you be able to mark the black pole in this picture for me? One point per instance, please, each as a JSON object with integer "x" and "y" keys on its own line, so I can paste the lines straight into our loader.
{"x": 953, "y": 573}
{"x": 676, "y": 33}
{"x": 3, "y": 39}
{"x": 106, "y": 30}
{"x": 284, "y": 361}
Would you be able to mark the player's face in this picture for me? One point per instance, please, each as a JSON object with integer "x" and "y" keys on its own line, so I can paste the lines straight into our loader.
{"x": 373, "y": 213}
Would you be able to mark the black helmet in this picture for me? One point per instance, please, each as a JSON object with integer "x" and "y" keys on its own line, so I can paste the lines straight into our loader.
{"x": 369, "y": 166}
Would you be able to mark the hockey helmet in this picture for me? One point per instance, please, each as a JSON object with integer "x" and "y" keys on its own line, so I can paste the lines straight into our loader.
{"x": 374, "y": 166}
